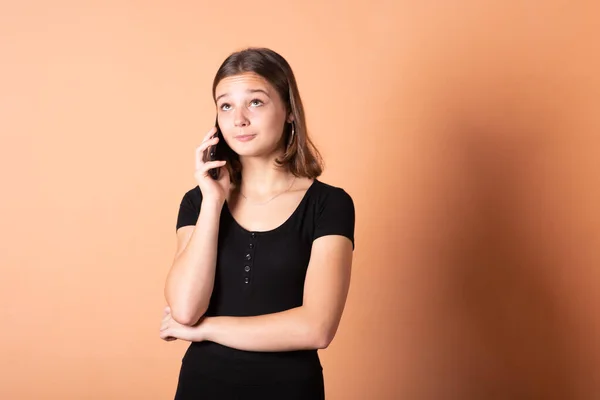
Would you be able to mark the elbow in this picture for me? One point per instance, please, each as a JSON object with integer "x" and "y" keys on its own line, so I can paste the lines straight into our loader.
{"x": 320, "y": 329}
{"x": 185, "y": 316}
{"x": 323, "y": 338}
{"x": 182, "y": 311}
{"x": 323, "y": 341}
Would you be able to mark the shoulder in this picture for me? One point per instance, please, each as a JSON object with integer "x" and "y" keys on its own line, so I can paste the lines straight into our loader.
{"x": 189, "y": 207}
{"x": 334, "y": 211}
{"x": 192, "y": 198}
{"x": 327, "y": 194}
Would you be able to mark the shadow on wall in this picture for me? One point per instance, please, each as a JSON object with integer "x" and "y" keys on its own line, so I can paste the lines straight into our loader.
{"x": 474, "y": 254}
{"x": 498, "y": 327}
{"x": 501, "y": 291}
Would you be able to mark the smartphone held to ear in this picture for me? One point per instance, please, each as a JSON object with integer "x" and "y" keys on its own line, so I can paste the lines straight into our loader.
{"x": 212, "y": 154}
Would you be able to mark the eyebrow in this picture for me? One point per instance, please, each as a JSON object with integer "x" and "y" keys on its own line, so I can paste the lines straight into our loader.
{"x": 247, "y": 91}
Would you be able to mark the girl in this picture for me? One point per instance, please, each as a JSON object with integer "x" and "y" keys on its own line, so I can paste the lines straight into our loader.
{"x": 264, "y": 251}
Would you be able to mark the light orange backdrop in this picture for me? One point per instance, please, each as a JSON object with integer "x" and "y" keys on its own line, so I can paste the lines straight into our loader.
{"x": 467, "y": 134}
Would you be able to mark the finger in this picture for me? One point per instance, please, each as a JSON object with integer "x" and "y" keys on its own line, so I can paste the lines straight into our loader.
{"x": 211, "y": 132}
{"x": 207, "y": 143}
{"x": 167, "y": 311}
{"x": 167, "y": 337}
{"x": 166, "y": 334}
{"x": 213, "y": 164}
{"x": 202, "y": 148}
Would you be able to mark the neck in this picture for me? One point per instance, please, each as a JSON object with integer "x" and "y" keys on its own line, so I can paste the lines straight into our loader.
{"x": 261, "y": 178}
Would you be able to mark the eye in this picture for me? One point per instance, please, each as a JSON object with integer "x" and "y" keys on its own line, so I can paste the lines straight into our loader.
{"x": 256, "y": 102}
{"x": 224, "y": 106}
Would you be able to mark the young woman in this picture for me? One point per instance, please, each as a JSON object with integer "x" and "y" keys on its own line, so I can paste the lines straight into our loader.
{"x": 264, "y": 252}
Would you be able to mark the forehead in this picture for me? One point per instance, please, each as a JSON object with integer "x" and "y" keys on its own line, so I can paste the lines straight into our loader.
{"x": 242, "y": 82}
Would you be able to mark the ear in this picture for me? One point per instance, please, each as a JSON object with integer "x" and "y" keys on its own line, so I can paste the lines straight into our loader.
{"x": 290, "y": 118}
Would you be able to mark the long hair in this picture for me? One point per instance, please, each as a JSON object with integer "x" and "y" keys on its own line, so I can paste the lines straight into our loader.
{"x": 301, "y": 157}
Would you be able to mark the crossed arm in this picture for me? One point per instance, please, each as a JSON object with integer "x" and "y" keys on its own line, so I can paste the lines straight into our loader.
{"x": 310, "y": 326}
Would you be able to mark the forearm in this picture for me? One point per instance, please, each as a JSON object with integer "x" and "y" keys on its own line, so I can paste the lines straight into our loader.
{"x": 288, "y": 330}
{"x": 190, "y": 282}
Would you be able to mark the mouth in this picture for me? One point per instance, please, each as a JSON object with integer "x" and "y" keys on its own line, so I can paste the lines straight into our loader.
{"x": 244, "y": 138}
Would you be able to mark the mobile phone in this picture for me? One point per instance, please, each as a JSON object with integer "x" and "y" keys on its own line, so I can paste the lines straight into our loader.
{"x": 212, "y": 153}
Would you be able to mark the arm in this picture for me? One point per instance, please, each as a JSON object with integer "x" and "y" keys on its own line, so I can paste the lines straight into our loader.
{"x": 190, "y": 281}
{"x": 310, "y": 326}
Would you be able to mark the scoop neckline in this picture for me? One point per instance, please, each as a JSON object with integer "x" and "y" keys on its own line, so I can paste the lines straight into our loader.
{"x": 280, "y": 226}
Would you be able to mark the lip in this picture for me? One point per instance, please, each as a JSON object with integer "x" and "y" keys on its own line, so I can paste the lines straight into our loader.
{"x": 244, "y": 138}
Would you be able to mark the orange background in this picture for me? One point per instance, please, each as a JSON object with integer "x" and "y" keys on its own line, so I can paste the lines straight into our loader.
{"x": 468, "y": 135}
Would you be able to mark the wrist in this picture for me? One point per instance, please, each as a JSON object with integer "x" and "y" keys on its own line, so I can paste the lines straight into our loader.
{"x": 211, "y": 208}
{"x": 205, "y": 329}
{"x": 214, "y": 203}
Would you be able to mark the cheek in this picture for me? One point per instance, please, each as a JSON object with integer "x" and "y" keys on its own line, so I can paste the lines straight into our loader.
{"x": 226, "y": 124}
{"x": 271, "y": 121}
{"x": 224, "y": 120}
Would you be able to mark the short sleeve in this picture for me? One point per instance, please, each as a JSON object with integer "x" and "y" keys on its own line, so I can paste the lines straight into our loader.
{"x": 189, "y": 208}
{"x": 335, "y": 215}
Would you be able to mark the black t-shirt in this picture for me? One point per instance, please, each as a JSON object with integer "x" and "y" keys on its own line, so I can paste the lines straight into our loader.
{"x": 263, "y": 272}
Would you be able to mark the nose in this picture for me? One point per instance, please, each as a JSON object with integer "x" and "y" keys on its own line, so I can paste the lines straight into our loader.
{"x": 240, "y": 119}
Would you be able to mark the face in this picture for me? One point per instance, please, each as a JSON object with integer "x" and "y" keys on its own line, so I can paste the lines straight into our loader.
{"x": 251, "y": 115}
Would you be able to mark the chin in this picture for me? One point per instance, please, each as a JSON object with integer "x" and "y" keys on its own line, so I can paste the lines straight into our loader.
{"x": 252, "y": 154}
{"x": 252, "y": 150}
{"x": 246, "y": 151}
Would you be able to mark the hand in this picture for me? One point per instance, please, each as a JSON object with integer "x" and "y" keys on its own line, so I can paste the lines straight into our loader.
{"x": 171, "y": 330}
{"x": 211, "y": 189}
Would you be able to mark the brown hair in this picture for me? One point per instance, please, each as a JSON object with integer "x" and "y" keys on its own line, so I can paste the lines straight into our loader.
{"x": 301, "y": 157}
